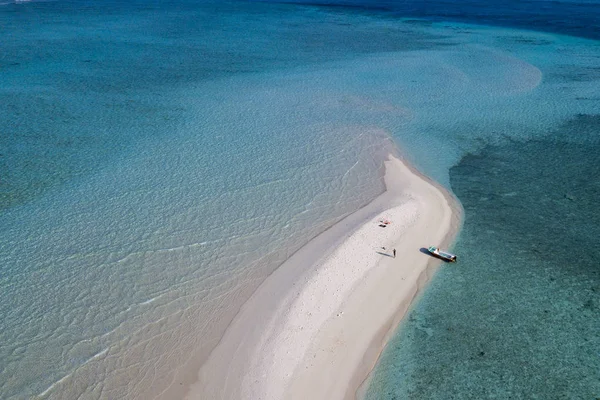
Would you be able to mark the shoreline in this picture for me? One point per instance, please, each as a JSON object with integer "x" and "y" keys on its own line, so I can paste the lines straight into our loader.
{"x": 360, "y": 381}
{"x": 316, "y": 327}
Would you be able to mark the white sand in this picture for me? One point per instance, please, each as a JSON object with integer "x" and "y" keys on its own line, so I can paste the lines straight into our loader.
{"x": 315, "y": 327}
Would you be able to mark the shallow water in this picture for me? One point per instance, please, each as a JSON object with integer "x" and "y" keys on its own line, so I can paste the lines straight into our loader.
{"x": 159, "y": 160}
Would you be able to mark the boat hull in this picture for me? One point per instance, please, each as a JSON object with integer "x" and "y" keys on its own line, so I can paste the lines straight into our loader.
{"x": 448, "y": 257}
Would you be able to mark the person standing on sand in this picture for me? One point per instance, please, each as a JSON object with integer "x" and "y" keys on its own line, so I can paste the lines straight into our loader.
{"x": 394, "y": 253}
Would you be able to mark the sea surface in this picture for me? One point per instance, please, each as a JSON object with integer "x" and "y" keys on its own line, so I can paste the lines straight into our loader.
{"x": 158, "y": 160}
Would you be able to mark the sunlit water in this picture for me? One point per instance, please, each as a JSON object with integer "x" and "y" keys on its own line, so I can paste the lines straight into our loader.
{"x": 159, "y": 160}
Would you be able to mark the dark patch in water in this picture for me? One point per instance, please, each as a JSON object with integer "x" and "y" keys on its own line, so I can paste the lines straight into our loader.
{"x": 524, "y": 40}
{"x": 579, "y": 74}
{"x": 583, "y": 128}
{"x": 419, "y": 22}
{"x": 566, "y": 17}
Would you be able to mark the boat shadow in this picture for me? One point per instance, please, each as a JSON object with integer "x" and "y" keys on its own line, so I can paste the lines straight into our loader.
{"x": 425, "y": 251}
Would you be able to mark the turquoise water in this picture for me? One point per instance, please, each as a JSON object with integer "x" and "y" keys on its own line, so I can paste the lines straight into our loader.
{"x": 159, "y": 160}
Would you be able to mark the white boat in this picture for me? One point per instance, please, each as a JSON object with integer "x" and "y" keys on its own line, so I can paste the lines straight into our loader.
{"x": 444, "y": 255}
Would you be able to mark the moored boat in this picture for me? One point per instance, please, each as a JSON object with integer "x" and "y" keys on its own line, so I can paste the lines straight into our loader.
{"x": 444, "y": 255}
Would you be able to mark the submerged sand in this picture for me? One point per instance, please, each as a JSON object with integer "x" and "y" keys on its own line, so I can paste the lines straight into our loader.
{"x": 315, "y": 328}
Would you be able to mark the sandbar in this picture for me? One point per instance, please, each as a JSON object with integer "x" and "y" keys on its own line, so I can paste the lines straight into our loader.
{"x": 315, "y": 328}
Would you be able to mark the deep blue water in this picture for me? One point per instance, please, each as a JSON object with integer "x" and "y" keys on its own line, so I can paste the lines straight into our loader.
{"x": 569, "y": 17}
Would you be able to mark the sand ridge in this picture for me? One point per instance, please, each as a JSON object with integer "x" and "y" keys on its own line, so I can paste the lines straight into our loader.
{"x": 316, "y": 332}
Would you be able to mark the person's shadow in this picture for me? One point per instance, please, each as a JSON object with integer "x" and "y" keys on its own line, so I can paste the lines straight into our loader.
{"x": 384, "y": 254}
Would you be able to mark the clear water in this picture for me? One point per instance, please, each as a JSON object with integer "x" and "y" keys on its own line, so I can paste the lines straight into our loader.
{"x": 160, "y": 159}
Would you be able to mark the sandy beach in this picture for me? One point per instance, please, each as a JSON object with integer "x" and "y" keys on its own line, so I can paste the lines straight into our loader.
{"x": 315, "y": 328}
